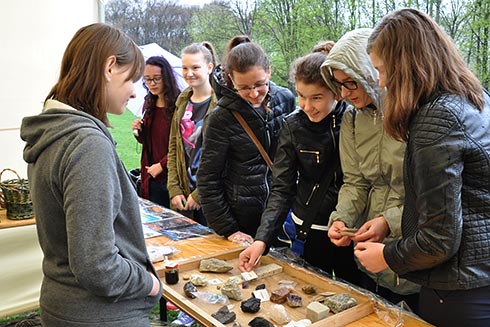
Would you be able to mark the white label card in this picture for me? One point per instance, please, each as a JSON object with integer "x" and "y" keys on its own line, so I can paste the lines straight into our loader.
{"x": 263, "y": 295}
{"x": 249, "y": 275}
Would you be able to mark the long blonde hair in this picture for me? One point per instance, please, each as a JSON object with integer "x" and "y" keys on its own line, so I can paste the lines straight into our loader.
{"x": 421, "y": 62}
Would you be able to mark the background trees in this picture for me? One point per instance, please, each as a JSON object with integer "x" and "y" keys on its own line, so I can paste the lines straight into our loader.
{"x": 288, "y": 29}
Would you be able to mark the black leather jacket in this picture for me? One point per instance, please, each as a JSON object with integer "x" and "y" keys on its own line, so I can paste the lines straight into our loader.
{"x": 303, "y": 159}
{"x": 233, "y": 178}
{"x": 446, "y": 217}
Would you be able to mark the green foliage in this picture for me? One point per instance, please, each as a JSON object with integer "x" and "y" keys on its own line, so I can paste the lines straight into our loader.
{"x": 214, "y": 23}
{"x": 287, "y": 29}
{"x": 128, "y": 149}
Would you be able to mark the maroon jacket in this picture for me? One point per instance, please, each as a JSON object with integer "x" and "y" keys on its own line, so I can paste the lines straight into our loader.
{"x": 154, "y": 138}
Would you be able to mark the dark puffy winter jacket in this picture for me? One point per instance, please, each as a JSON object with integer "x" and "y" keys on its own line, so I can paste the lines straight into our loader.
{"x": 233, "y": 178}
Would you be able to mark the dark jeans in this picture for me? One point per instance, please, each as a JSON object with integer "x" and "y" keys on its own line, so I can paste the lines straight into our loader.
{"x": 468, "y": 308}
{"x": 199, "y": 217}
{"x": 335, "y": 260}
{"x": 412, "y": 300}
{"x": 159, "y": 194}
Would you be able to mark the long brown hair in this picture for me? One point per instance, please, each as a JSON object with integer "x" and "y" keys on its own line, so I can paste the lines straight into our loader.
{"x": 81, "y": 83}
{"x": 421, "y": 62}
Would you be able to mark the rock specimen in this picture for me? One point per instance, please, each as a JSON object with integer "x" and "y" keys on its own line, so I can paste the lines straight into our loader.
{"x": 260, "y": 322}
{"x": 232, "y": 289}
{"x": 278, "y": 313}
{"x": 189, "y": 289}
{"x": 251, "y": 305}
{"x": 268, "y": 270}
{"x": 260, "y": 287}
{"x": 294, "y": 300}
{"x": 280, "y": 295}
{"x": 198, "y": 280}
{"x": 340, "y": 302}
{"x": 224, "y": 316}
{"x": 309, "y": 289}
{"x": 322, "y": 296}
{"x": 299, "y": 323}
{"x": 214, "y": 265}
{"x": 316, "y": 311}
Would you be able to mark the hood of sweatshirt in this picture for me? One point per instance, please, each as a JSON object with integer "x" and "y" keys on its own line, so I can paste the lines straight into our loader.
{"x": 349, "y": 55}
{"x": 55, "y": 122}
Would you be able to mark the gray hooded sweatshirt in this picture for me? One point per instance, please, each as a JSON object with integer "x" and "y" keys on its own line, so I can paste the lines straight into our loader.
{"x": 95, "y": 261}
{"x": 371, "y": 160}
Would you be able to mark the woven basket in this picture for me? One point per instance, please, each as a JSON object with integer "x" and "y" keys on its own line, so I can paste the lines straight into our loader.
{"x": 17, "y": 197}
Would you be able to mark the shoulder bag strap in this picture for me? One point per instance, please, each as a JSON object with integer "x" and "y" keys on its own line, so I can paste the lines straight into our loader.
{"x": 251, "y": 134}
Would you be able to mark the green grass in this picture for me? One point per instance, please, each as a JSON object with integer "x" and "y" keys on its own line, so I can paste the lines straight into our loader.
{"x": 127, "y": 148}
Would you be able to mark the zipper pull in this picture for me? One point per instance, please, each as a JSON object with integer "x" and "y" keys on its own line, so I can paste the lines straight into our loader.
{"x": 312, "y": 192}
{"x": 333, "y": 119}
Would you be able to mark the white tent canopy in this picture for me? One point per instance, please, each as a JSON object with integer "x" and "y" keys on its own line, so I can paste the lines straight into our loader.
{"x": 150, "y": 50}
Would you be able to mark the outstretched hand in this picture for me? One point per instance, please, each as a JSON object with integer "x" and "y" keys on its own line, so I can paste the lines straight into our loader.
{"x": 250, "y": 257}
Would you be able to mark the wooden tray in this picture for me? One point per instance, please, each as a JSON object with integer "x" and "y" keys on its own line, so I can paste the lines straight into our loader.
{"x": 201, "y": 311}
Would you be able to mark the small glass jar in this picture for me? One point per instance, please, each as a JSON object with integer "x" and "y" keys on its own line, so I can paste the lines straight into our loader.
{"x": 171, "y": 273}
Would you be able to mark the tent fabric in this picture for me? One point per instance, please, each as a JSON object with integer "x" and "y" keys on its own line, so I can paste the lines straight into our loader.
{"x": 150, "y": 50}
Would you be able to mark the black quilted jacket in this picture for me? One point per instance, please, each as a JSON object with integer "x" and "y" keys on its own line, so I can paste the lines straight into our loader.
{"x": 307, "y": 154}
{"x": 233, "y": 178}
{"x": 446, "y": 218}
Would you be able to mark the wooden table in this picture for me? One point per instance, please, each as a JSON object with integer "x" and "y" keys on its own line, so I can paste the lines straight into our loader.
{"x": 194, "y": 249}
{"x": 9, "y": 223}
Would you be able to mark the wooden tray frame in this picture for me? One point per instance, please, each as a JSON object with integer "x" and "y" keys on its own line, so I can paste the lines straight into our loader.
{"x": 201, "y": 311}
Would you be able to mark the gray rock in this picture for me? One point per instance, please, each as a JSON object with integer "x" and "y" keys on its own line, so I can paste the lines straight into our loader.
{"x": 214, "y": 265}
{"x": 224, "y": 316}
{"x": 340, "y": 302}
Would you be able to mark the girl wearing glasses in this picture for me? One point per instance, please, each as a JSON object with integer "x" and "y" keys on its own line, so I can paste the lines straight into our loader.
{"x": 233, "y": 178}
{"x": 193, "y": 104}
{"x": 153, "y": 130}
{"x": 371, "y": 198}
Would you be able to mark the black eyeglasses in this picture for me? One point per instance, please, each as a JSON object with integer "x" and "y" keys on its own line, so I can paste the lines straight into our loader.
{"x": 259, "y": 87}
{"x": 349, "y": 85}
{"x": 155, "y": 80}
